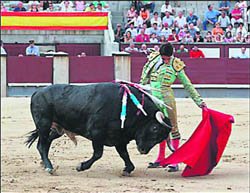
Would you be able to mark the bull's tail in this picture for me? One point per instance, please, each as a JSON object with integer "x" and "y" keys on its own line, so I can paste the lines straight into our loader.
{"x": 33, "y": 135}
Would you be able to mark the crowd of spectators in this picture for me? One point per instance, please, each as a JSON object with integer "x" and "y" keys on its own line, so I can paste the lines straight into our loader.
{"x": 58, "y": 6}
{"x": 170, "y": 25}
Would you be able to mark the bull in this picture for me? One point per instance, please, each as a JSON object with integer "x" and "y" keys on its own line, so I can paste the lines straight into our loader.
{"x": 93, "y": 111}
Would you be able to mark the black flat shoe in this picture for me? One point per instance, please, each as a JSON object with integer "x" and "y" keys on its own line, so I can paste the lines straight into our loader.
{"x": 154, "y": 165}
{"x": 173, "y": 168}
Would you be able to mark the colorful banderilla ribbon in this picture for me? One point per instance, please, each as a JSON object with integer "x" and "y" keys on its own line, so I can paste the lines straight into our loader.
{"x": 124, "y": 104}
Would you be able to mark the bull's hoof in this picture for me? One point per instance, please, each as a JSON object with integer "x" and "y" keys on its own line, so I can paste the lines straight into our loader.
{"x": 50, "y": 171}
{"x": 125, "y": 173}
{"x": 79, "y": 167}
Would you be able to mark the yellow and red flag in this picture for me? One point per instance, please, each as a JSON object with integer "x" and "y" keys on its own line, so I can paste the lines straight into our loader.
{"x": 54, "y": 20}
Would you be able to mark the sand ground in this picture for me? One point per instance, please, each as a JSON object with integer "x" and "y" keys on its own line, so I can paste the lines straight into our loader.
{"x": 21, "y": 171}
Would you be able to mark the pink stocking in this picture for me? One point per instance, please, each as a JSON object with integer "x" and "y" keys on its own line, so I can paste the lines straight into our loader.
{"x": 161, "y": 155}
{"x": 175, "y": 143}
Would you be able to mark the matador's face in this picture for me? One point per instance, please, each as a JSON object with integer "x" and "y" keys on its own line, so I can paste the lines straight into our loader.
{"x": 166, "y": 59}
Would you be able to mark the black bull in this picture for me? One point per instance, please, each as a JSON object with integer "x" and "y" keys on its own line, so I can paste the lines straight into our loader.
{"x": 93, "y": 111}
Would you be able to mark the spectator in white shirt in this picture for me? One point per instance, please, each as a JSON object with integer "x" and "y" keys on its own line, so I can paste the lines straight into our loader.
{"x": 180, "y": 21}
{"x": 224, "y": 20}
{"x": 169, "y": 19}
{"x": 166, "y": 31}
{"x": 132, "y": 30}
{"x": 137, "y": 20}
{"x": 164, "y": 8}
{"x": 156, "y": 19}
{"x": 243, "y": 53}
{"x": 66, "y": 6}
{"x": 99, "y": 8}
{"x": 146, "y": 29}
{"x": 241, "y": 29}
{"x": 153, "y": 38}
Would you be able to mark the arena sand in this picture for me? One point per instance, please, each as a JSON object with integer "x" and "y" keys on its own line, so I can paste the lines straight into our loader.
{"x": 21, "y": 171}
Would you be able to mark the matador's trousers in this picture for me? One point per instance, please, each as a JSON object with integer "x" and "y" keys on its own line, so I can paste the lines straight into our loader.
{"x": 167, "y": 96}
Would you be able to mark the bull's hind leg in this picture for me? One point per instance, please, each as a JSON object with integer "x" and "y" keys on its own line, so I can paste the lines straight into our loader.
{"x": 44, "y": 143}
{"x": 98, "y": 151}
{"x": 123, "y": 152}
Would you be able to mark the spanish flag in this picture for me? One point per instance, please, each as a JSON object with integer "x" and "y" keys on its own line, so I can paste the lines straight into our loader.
{"x": 54, "y": 20}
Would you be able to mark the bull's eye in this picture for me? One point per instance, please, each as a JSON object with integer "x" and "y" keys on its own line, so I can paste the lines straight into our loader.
{"x": 155, "y": 129}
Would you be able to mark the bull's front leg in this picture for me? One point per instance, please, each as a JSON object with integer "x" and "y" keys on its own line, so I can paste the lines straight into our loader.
{"x": 98, "y": 151}
{"x": 123, "y": 152}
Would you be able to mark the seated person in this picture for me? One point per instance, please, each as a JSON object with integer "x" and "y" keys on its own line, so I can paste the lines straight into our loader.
{"x": 209, "y": 37}
{"x": 155, "y": 30}
{"x": 180, "y": 21}
{"x": 66, "y": 6}
{"x": 182, "y": 49}
{"x": 196, "y": 53}
{"x": 143, "y": 49}
{"x": 104, "y": 4}
{"x": 243, "y": 53}
{"x": 153, "y": 38}
{"x": 198, "y": 37}
{"x": 166, "y": 31}
{"x": 20, "y": 7}
{"x": 133, "y": 30}
{"x": 224, "y": 20}
{"x": 130, "y": 14}
{"x": 210, "y": 16}
{"x": 99, "y": 8}
{"x": 90, "y": 8}
{"x": 156, "y": 19}
{"x": 142, "y": 37}
{"x": 128, "y": 37}
{"x": 144, "y": 13}
{"x": 236, "y": 15}
{"x": 173, "y": 37}
{"x": 32, "y": 50}
{"x": 169, "y": 19}
{"x": 194, "y": 19}
{"x": 188, "y": 38}
{"x": 228, "y": 37}
{"x": 217, "y": 29}
{"x": 224, "y": 6}
{"x": 131, "y": 48}
{"x": 83, "y": 54}
{"x": 166, "y": 7}
{"x": 231, "y": 29}
{"x": 119, "y": 33}
{"x": 241, "y": 29}
{"x": 192, "y": 30}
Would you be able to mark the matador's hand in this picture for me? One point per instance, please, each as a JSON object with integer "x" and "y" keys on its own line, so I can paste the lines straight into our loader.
{"x": 203, "y": 106}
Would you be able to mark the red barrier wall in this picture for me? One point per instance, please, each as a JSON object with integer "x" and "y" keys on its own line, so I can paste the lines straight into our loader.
{"x": 29, "y": 69}
{"x": 75, "y": 49}
{"x": 205, "y": 71}
{"x": 15, "y": 49}
{"x": 91, "y": 69}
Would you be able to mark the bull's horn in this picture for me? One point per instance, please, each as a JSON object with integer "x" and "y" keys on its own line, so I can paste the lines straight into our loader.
{"x": 159, "y": 117}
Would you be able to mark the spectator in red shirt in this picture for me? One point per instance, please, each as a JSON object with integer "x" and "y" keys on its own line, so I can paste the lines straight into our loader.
{"x": 236, "y": 15}
{"x": 142, "y": 37}
{"x": 173, "y": 37}
{"x": 196, "y": 53}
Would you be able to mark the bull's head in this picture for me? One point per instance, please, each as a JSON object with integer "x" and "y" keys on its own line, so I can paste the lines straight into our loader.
{"x": 154, "y": 132}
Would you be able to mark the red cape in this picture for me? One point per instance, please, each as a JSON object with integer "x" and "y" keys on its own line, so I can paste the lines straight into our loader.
{"x": 203, "y": 150}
